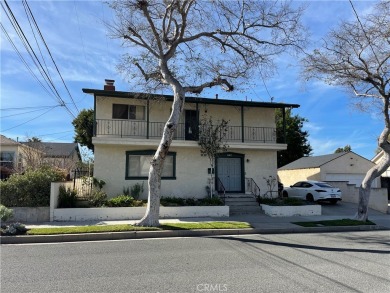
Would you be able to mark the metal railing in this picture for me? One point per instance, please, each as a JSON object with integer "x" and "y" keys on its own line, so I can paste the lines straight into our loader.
{"x": 141, "y": 129}
{"x": 221, "y": 189}
{"x": 82, "y": 183}
{"x": 252, "y": 187}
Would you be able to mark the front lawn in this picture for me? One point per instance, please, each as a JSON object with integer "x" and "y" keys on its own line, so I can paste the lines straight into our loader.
{"x": 127, "y": 227}
{"x": 334, "y": 223}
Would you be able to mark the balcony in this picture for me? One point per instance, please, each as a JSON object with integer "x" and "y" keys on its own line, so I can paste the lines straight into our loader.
{"x": 153, "y": 130}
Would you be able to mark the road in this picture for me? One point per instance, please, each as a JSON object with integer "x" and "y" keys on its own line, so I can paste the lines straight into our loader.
{"x": 326, "y": 262}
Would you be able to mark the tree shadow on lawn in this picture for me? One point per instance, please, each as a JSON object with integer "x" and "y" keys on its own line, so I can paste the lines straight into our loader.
{"x": 303, "y": 246}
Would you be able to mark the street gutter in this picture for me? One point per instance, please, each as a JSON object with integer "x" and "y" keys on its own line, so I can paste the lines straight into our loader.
{"x": 24, "y": 239}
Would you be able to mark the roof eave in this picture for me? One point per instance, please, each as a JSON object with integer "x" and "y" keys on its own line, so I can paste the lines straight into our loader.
{"x": 133, "y": 95}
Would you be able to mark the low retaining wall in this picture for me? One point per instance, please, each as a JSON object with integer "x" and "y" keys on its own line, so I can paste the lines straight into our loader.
{"x": 125, "y": 213}
{"x": 289, "y": 211}
{"x": 350, "y": 193}
{"x": 136, "y": 213}
{"x": 30, "y": 215}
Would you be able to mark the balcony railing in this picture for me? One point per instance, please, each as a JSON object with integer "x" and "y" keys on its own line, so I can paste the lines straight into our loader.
{"x": 141, "y": 129}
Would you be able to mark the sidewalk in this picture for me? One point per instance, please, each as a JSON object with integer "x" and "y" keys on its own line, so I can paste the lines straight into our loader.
{"x": 261, "y": 223}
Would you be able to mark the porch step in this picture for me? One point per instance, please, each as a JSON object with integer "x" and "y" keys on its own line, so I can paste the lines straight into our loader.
{"x": 237, "y": 210}
{"x": 242, "y": 204}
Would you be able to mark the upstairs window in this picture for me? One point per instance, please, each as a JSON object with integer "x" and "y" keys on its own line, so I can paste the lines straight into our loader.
{"x": 132, "y": 112}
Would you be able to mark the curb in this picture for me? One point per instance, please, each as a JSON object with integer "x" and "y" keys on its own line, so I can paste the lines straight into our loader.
{"x": 25, "y": 239}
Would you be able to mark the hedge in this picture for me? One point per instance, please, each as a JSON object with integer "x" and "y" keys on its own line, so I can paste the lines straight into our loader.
{"x": 31, "y": 189}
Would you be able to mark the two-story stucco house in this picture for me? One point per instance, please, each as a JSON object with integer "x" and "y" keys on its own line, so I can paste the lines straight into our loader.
{"x": 128, "y": 129}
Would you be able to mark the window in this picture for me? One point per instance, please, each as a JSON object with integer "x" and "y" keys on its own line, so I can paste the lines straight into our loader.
{"x": 138, "y": 164}
{"x": 132, "y": 112}
{"x": 7, "y": 159}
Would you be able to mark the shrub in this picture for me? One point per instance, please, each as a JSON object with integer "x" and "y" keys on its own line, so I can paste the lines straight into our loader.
{"x": 97, "y": 198}
{"x": 5, "y": 213}
{"x": 124, "y": 201}
{"x": 136, "y": 190}
{"x": 67, "y": 198}
{"x": 177, "y": 201}
{"x": 207, "y": 201}
{"x": 31, "y": 189}
{"x": 14, "y": 229}
{"x": 287, "y": 201}
{"x": 172, "y": 201}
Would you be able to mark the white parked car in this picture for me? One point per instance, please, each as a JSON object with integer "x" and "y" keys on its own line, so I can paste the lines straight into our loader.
{"x": 313, "y": 191}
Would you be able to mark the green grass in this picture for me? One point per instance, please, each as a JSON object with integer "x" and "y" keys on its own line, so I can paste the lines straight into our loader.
{"x": 126, "y": 227}
{"x": 206, "y": 225}
{"x": 334, "y": 223}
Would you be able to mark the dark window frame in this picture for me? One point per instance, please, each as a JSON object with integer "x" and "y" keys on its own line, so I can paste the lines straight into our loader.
{"x": 131, "y": 111}
{"x": 149, "y": 153}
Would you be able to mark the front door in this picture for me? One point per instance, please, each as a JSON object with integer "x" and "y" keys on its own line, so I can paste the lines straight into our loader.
{"x": 230, "y": 173}
{"x": 191, "y": 125}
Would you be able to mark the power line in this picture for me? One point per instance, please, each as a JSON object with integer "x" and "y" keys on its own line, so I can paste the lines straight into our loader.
{"x": 30, "y": 51}
{"x": 47, "y": 48}
{"x": 27, "y": 112}
{"x": 27, "y": 121}
{"x": 24, "y": 61}
{"x": 34, "y": 57}
{"x": 25, "y": 108}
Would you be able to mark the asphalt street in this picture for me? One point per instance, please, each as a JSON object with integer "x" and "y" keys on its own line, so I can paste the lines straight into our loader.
{"x": 315, "y": 262}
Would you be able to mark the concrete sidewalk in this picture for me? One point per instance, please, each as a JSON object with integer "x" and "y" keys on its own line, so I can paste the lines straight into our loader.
{"x": 261, "y": 223}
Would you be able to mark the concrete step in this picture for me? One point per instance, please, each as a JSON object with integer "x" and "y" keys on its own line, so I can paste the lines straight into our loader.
{"x": 233, "y": 199}
{"x": 235, "y": 210}
{"x": 242, "y": 203}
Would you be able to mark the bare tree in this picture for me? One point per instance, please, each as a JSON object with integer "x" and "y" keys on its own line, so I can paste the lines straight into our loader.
{"x": 212, "y": 141}
{"x": 192, "y": 45}
{"x": 356, "y": 56}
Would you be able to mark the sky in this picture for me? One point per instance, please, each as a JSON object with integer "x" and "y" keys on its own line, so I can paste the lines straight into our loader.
{"x": 84, "y": 55}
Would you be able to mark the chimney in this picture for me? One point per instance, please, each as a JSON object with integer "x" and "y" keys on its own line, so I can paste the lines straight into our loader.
{"x": 109, "y": 86}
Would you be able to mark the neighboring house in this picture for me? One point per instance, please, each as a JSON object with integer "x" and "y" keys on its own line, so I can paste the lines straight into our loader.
{"x": 59, "y": 154}
{"x": 15, "y": 156}
{"x": 128, "y": 129}
{"x": 345, "y": 166}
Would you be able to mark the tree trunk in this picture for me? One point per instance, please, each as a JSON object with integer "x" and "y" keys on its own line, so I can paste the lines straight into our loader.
{"x": 151, "y": 218}
{"x": 374, "y": 172}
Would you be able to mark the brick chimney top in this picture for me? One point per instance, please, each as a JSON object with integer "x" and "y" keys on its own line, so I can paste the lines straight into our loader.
{"x": 109, "y": 86}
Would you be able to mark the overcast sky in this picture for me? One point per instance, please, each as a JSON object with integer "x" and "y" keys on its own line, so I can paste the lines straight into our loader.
{"x": 76, "y": 36}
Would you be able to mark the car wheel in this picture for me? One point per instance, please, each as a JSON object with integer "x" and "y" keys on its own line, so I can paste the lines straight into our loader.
{"x": 310, "y": 197}
{"x": 333, "y": 201}
{"x": 285, "y": 193}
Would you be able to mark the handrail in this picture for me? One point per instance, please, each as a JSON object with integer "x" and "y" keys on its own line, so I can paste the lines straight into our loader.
{"x": 152, "y": 130}
{"x": 252, "y": 187}
{"x": 221, "y": 188}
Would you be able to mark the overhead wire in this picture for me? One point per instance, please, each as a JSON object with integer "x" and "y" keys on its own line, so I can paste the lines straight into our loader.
{"x": 32, "y": 54}
{"x": 51, "y": 56}
{"x": 3, "y": 130}
{"x": 28, "y": 112}
{"x": 25, "y": 62}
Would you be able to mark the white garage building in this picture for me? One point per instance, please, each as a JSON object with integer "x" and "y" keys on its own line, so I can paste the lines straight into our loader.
{"x": 345, "y": 166}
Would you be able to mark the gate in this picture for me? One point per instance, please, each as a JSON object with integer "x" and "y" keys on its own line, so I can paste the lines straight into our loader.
{"x": 83, "y": 183}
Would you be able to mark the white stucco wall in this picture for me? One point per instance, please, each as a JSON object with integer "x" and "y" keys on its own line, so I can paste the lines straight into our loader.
{"x": 350, "y": 167}
{"x": 191, "y": 169}
{"x": 160, "y": 110}
{"x": 350, "y": 193}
